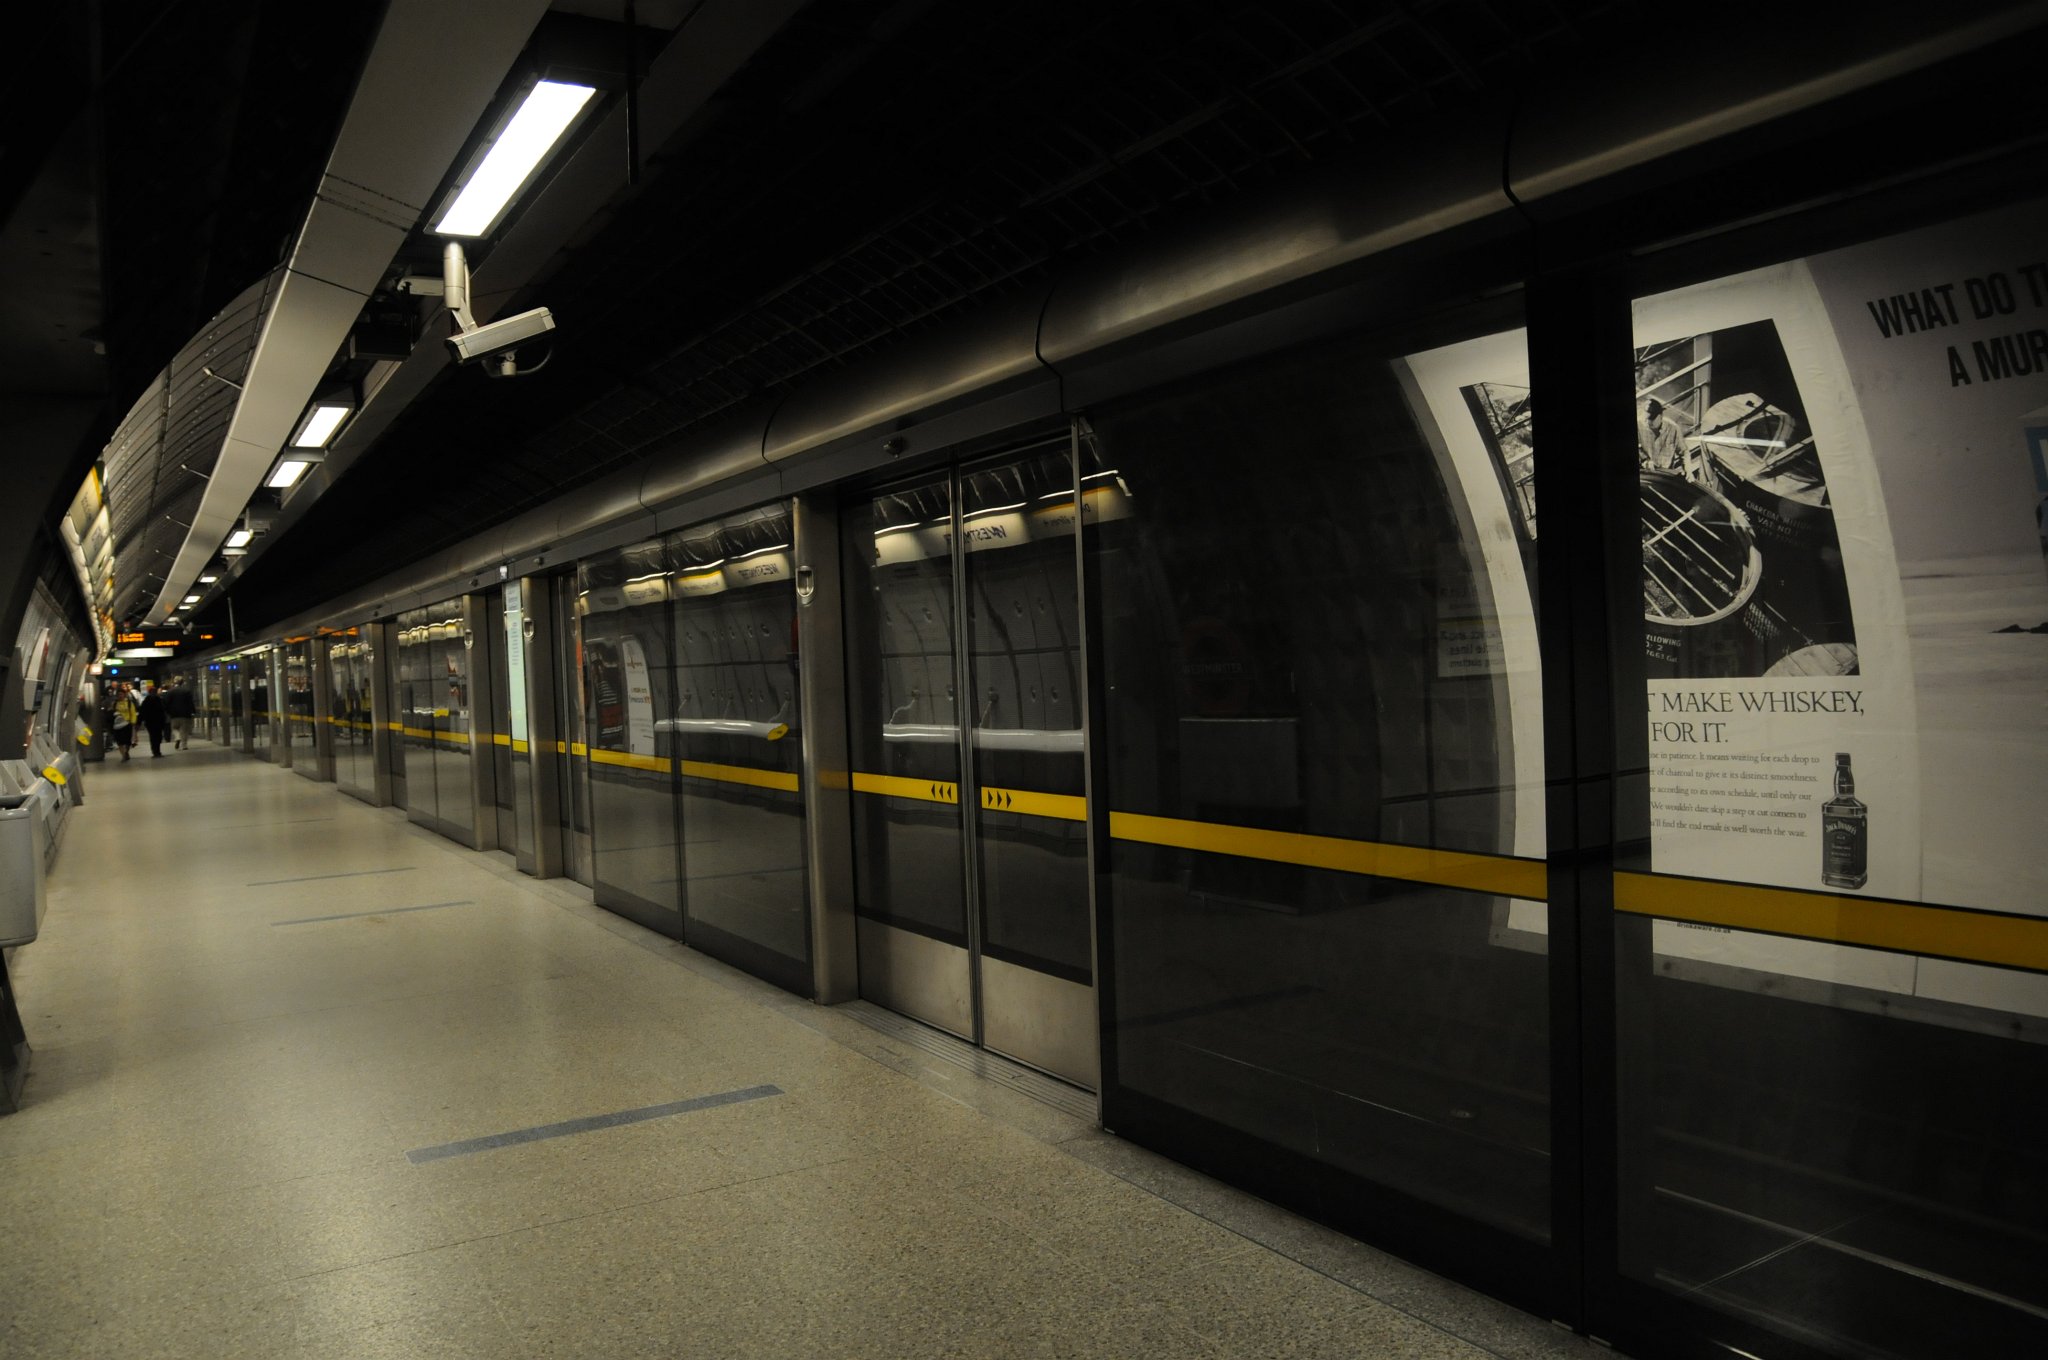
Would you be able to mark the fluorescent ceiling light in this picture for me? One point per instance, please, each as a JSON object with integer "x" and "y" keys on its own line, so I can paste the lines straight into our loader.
{"x": 520, "y": 148}
{"x": 208, "y": 580}
{"x": 191, "y": 599}
{"x": 319, "y": 426}
{"x": 285, "y": 474}
{"x": 239, "y": 539}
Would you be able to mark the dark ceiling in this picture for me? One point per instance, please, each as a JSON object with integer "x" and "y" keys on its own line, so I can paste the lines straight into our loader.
{"x": 880, "y": 167}
{"x": 213, "y": 118}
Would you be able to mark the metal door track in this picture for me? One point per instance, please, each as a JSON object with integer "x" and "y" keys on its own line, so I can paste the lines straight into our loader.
{"x": 938, "y": 1044}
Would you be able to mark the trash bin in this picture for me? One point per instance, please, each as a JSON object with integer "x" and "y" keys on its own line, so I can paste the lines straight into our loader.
{"x": 21, "y": 869}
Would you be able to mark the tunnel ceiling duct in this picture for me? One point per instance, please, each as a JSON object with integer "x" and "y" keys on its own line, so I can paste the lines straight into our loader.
{"x": 978, "y": 356}
{"x": 1407, "y": 191}
{"x": 1573, "y": 133}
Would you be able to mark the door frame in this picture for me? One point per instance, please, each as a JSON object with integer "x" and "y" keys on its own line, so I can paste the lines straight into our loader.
{"x": 881, "y": 945}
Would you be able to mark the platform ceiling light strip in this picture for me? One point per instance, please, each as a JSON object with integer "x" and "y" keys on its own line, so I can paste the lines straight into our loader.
{"x": 319, "y": 426}
{"x": 526, "y": 140}
{"x": 239, "y": 539}
{"x": 287, "y": 473}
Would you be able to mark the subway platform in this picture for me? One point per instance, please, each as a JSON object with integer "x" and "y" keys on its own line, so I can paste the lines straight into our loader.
{"x": 311, "y": 1081}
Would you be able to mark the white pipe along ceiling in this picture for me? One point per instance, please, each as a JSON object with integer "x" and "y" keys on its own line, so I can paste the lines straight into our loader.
{"x": 432, "y": 72}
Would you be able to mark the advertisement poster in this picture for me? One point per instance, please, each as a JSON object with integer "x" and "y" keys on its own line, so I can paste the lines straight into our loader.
{"x": 639, "y": 697}
{"x": 606, "y": 687}
{"x": 515, "y": 656}
{"x": 1486, "y": 624}
{"x": 1844, "y": 593}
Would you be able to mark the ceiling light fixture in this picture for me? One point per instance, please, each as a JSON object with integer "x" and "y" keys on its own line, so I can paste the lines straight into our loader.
{"x": 287, "y": 473}
{"x": 191, "y": 599}
{"x": 239, "y": 539}
{"x": 534, "y": 130}
{"x": 317, "y": 427}
{"x": 208, "y": 580}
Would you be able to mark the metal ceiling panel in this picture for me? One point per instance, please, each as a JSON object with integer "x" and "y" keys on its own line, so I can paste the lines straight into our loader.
{"x": 1413, "y": 191}
{"x": 730, "y": 449}
{"x": 976, "y": 357}
{"x": 298, "y": 344}
{"x": 433, "y": 70}
{"x": 1568, "y": 135}
{"x": 166, "y": 446}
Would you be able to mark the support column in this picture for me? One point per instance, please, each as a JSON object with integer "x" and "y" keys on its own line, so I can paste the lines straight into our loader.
{"x": 323, "y": 708}
{"x": 537, "y": 636}
{"x": 379, "y": 637}
{"x": 828, "y": 787}
{"x": 483, "y": 764}
{"x": 277, "y": 707}
{"x": 245, "y": 695}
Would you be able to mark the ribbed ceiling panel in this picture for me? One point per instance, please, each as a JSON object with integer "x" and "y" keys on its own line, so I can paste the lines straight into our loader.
{"x": 159, "y": 459}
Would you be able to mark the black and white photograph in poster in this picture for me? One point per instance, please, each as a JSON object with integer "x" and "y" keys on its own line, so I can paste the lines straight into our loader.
{"x": 1862, "y": 431}
{"x": 1742, "y": 569}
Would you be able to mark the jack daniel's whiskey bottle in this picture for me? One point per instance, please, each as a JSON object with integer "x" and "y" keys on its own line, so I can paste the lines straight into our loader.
{"x": 1844, "y": 832}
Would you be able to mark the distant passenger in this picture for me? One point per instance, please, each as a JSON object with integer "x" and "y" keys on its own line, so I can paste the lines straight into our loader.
{"x": 153, "y": 718}
{"x": 125, "y": 715}
{"x": 178, "y": 703}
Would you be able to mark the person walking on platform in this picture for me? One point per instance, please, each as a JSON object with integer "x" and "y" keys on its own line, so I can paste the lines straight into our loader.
{"x": 125, "y": 714}
{"x": 154, "y": 718}
{"x": 178, "y": 703}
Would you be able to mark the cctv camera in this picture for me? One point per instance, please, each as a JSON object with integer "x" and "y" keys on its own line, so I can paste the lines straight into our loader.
{"x": 498, "y": 337}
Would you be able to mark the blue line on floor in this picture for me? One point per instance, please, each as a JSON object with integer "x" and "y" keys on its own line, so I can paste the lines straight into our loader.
{"x": 309, "y": 878}
{"x": 388, "y": 911}
{"x": 596, "y": 1121}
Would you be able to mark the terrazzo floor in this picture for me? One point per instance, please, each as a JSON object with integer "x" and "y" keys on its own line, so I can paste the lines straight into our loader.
{"x": 212, "y": 1155}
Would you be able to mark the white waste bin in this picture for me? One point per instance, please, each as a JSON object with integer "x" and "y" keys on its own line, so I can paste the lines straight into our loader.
{"x": 21, "y": 869}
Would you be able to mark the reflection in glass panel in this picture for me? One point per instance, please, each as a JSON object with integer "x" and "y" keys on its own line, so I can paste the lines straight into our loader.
{"x": 256, "y": 675}
{"x": 349, "y": 678}
{"x": 572, "y": 770}
{"x": 627, "y": 684}
{"x": 298, "y": 704}
{"x": 513, "y": 765}
{"x": 449, "y": 695}
{"x": 416, "y": 701}
{"x": 1316, "y": 623}
{"x": 1024, "y": 656}
{"x": 902, "y": 722}
{"x": 1842, "y": 1142}
{"x": 736, "y": 729}
{"x": 332, "y": 651}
